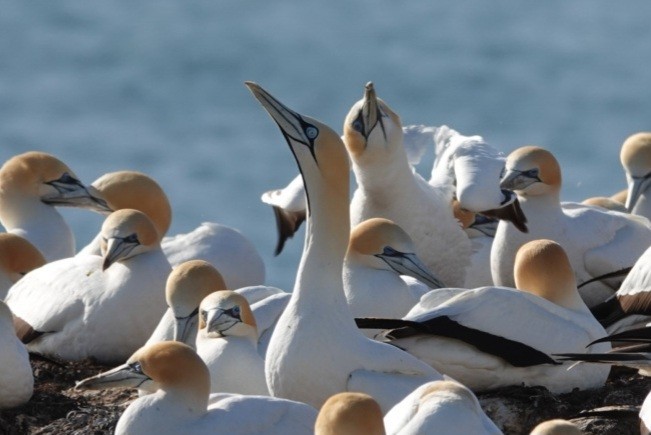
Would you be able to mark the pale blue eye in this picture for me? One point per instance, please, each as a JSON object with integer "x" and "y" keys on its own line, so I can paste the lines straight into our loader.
{"x": 311, "y": 132}
{"x": 357, "y": 125}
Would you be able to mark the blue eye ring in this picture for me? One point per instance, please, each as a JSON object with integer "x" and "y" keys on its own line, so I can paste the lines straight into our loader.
{"x": 311, "y": 132}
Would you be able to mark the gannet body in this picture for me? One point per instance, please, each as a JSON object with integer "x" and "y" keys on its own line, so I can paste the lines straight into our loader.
{"x": 91, "y": 306}
{"x": 316, "y": 349}
{"x": 186, "y": 287}
{"x": 645, "y": 416}
{"x": 596, "y": 241}
{"x": 636, "y": 160}
{"x": 547, "y": 314}
{"x": 388, "y": 188}
{"x": 445, "y": 407}
{"x": 227, "y": 343}
{"x": 266, "y": 310}
{"x": 31, "y": 184}
{"x": 16, "y": 378}
{"x": 224, "y": 247}
{"x": 17, "y": 257}
{"x": 378, "y": 254}
{"x": 180, "y": 406}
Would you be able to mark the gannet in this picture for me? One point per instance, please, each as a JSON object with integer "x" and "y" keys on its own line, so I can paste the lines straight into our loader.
{"x": 227, "y": 343}
{"x": 288, "y": 205}
{"x": 17, "y": 257}
{"x": 597, "y": 241}
{"x": 378, "y": 254}
{"x": 180, "y": 406}
{"x": 635, "y": 156}
{"x": 349, "y": 414}
{"x": 495, "y": 336}
{"x": 316, "y": 349}
{"x": 605, "y": 202}
{"x": 556, "y": 427}
{"x": 480, "y": 230}
{"x": 388, "y": 188}
{"x": 16, "y": 378}
{"x": 92, "y": 306}
{"x": 444, "y": 407}
{"x": 31, "y": 184}
{"x": 630, "y": 306}
{"x": 224, "y": 247}
{"x": 186, "y": 287}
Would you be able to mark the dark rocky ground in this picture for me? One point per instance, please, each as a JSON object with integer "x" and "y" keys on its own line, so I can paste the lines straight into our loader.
{"x": 57, "y": 408}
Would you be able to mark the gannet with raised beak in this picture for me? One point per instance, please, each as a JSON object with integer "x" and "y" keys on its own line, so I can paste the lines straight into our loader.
{"x": 181, "y": 403}
{"x": 388, "y": 188}
{"x": 596, "y": 241}
{"x": 31, "y": 184}
{"x": 91, "y": 306}
{"x": 316, "y": 350}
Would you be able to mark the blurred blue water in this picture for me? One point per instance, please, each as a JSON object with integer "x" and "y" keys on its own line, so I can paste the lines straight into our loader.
{"x": 157, "y": 87}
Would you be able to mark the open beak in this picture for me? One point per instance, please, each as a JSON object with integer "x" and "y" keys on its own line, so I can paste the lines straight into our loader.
{"x": 71, "y": 192}
{"x": 409, "y": 264}
{"x": 117, "y": 249}
{"x": 126, "y": 375}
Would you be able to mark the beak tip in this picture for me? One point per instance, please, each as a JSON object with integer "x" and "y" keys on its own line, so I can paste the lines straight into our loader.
{"x": 369, "y": 86}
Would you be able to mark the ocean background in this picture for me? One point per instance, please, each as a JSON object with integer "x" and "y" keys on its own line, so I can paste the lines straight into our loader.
{"x": 157, "y": 86}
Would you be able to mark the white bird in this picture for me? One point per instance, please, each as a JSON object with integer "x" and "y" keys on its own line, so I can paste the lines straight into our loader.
{"x": 224, "y": 247}
{"x": 378, "y": 254}
{"x": 186, "y": 286}
{"x": 635, "y": 156}
{"x": 349, "y": 413}
{"x": 445, "y": 407}
{"x": 388, "y": 188}
{"x": 17, "y": 257}
{"x": 597, "y": 241}
{"x": 31, "y": 184}
{"x": 180, "y": 406}
{"x": 556, "y": 427}
{"x": 288, "y": 205}
{"x": 227, "y": 343}
{"x": 92, "y": 306}
{"x": 645, "y": 416}
{"x": 316, "y": 349}
{"x": 16, "y": 378}
{"x": 495, "y": 336}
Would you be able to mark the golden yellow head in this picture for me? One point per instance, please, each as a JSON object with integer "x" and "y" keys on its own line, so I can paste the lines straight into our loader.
{"x": 532, "y": 170}
{"x": 635, "y": 154}
{"x": 189, "y": 283}
{"x": 18, "y": 256}
{"x": 350, "y": 414}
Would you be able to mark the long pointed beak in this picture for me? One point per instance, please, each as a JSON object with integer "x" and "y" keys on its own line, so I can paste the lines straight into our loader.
{"x": 484, "y": 225}
{"x": 218, "y": 321}
{"x": 71, "y": 192}
{"x": 516, "y": 180}
{"x": 371, "y": 114}
{"x": 183, "y": 326}
{"x": 290, "y": 122}
{"x": 410, "y": 265}
{"x": 635, "y": 189}
{"x": 117, "y": 249}
{"x": 121, "y": 376}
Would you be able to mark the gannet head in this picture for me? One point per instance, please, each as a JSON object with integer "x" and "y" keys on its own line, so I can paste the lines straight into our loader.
{"x": 318, "y": 149}
{"x": 636, "y": 160}
{"x": 350, "y": 414}
{"x": 226, "y": 313}
{"x": 125, "y": 234}
{"x": 371, "y": 129}
{"x": 18, "y": 256}
{"x": 37, "y": 175}
{"x": 605, "y": 202}
{"x": 542, "y": 268}
{"x": 187, "y": 285}
{"x": 169, "y": 364}
{"x": 448, "y": 388}
{"x": 475, "y": 224}
{"x": 131, "y": 189}
{"x": 531, "y": 171}
{"x": 381, "y": 244}
{"x": 556, "y": 427}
